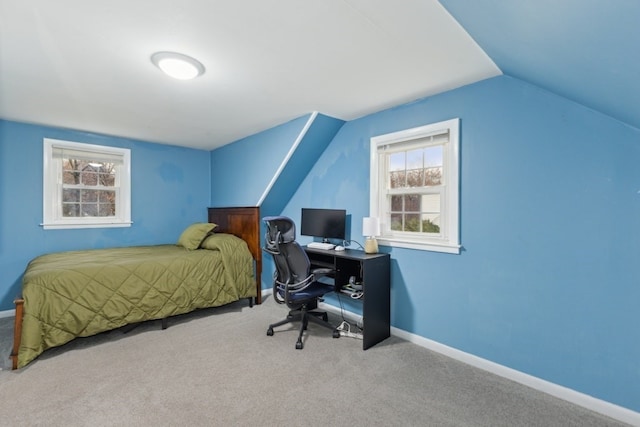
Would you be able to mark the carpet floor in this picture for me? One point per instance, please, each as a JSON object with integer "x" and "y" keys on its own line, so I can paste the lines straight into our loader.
{"x": 217, "y": 367}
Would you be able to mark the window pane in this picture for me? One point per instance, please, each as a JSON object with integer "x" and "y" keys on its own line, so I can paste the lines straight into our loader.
{"x": 70, "y": 195}
{"x": 433, "y": 176}
{"x": 69, "y": 177}
{"x": 89, "y": 196}
{"x": 433, "y": 165}
{"x": 107, "y": 179}
{"x": 107, "y": 196}
{"x": 70, "y": 165}
{"x": 412, "y": 203}
{"x": 89, "y": 209}
{"x": 415, "y": 159}
{"x": 430, "y": 223}
{"x": 433, "y": 156}
{"x": 397, "y": 162}
{"x": 415, "y": 169}
{"x": 415, "y": 177}
{"x": 397, "y": 179}
{"x": 396, "y": 203}
{"x": 431, "y": 213}
{"x": 107, "y": 209}
{"x": 396, "y": 222}
{"x": 89, "y": 177}
{"x": 412, "y": 222}
{"x": 70, "y": 209}
{"x": 397, "y": 169}
{"x": 430, "y": 203}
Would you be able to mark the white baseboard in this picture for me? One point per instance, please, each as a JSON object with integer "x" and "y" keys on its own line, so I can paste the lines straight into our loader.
{"x": 7, "y": 313}
{"x": 597, "y": 405}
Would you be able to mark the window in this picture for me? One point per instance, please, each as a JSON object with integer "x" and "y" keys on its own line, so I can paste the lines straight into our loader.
{"x": 415, "y": 187}
{"x": 85, "y": 186}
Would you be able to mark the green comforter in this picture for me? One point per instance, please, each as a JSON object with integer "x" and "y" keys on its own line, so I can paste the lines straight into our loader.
{"x": 82, "y": 293}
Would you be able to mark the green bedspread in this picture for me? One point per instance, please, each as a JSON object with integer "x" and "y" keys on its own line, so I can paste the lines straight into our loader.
{"x": 82, "y": 293}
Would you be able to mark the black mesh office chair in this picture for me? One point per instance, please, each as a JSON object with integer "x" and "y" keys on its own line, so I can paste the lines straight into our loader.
{"x": 294, "y": 283}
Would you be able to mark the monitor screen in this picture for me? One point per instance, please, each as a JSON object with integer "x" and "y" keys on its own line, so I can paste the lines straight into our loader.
{"x": 324, "y": 223}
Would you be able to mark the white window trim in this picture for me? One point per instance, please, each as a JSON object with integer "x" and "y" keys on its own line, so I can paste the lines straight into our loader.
{"x": 449, "y": 241}
{"x": 52, "y": 188}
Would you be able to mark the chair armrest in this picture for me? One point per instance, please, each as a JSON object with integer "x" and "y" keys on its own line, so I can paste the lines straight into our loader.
{"x": 321, "y": 272}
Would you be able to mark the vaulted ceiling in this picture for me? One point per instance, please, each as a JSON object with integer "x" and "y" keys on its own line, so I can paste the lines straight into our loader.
{"x": 86, "y": 65}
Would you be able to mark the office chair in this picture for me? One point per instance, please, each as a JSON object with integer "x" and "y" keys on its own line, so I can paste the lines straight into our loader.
{"x": 294, "y": 283}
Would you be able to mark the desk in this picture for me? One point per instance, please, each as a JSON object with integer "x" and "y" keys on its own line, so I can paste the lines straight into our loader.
{"x": 373, "y": 270}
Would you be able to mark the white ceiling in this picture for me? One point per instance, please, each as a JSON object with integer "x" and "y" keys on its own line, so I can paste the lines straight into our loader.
{"x": 86, "y": 65}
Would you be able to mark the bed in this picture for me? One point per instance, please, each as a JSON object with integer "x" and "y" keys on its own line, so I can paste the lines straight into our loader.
{"x": 82, "y": 293}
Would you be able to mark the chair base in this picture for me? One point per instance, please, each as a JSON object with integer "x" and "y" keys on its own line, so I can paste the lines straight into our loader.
{"x": 303, "y": 315}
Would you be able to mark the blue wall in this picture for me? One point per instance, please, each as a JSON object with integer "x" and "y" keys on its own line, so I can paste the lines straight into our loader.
{"x": 241, "y": 171}
{"x": 315, "y": 140}
{"x": 547, "y": 283}
{"x": 170, "y": 190}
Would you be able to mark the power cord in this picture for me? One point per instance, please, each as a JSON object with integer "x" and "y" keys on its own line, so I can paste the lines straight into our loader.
{"x": 345, "y": 331}
{"x": 352, "y": 292}
{"x": 346, "y": 243}
{"x": 345, "y": 326}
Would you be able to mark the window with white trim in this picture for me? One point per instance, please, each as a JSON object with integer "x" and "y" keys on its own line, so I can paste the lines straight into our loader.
{"x": 85, "y": 185}
{"x": 415, "y": 187}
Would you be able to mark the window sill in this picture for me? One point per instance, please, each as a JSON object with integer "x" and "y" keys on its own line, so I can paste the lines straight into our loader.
{"x": 58, "y": 226}
{"x": 421, "y": 246}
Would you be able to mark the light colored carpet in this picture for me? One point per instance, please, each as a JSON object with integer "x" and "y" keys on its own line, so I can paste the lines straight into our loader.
{"x": 217, "y": 367}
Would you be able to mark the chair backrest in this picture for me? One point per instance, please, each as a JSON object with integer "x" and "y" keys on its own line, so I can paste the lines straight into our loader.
{"x": 291, "y": 261}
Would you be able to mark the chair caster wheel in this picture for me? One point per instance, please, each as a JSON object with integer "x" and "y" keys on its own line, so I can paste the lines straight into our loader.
{"x": 336, "y": 334}
{"x": 270, "y": 332}
{"x": 299, "y": 345}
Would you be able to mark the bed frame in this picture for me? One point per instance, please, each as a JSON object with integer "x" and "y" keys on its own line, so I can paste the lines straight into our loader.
{"x": 243, "y": 222}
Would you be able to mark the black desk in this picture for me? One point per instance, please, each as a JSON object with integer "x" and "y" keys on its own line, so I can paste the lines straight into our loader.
{"x": 373, "y": 270}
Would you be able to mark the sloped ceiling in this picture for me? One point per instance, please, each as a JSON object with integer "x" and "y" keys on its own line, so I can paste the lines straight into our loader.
{"x": 584, "y": 50}
{"x": 86, "y": 65}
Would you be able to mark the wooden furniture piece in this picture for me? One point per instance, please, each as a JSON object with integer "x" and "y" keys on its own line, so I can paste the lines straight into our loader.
{"x": 243, "y": 222}
{"x": 373, "y": 271}
{"x": 17, "y": 332}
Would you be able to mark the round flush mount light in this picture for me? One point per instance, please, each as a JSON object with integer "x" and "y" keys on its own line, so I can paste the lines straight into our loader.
{"x": 177, "y": 65}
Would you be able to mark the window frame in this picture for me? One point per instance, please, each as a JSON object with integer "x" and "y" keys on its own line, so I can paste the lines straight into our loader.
{"x": 53, "y": 184}
{"x": 448, "y": 240}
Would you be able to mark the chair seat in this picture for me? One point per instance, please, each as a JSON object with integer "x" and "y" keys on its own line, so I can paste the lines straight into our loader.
{"x": 316, "y": 290}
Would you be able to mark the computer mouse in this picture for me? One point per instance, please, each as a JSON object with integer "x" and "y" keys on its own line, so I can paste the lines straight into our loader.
{"x": 339, "y": 248}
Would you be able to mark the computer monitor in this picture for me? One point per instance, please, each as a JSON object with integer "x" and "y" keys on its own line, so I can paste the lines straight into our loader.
{"x": 324, "y": 223}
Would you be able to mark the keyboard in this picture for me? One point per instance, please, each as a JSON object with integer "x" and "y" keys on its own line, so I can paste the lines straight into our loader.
{"x": 320, "y": 245}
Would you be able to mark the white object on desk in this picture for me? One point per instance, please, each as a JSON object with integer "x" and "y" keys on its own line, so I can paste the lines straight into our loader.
{"x": 370, "y": 229}
{"x": 339, "y": 248}
{"x": 320, "y": 245}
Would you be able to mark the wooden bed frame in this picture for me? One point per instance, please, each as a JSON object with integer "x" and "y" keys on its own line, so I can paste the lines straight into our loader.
{"x": 243, "y": 222}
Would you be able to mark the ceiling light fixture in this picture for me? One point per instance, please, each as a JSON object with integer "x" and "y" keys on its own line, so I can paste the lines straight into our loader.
{"x": 177, "y": 65}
